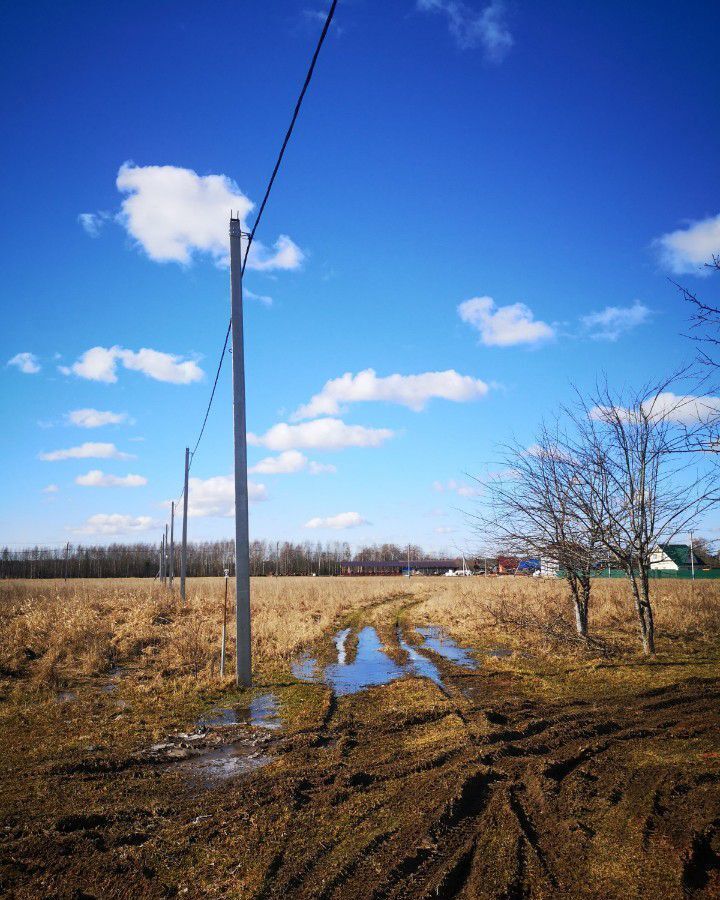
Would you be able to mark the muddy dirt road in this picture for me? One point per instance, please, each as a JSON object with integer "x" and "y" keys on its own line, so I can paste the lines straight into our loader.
{"x": 390, "y": 763}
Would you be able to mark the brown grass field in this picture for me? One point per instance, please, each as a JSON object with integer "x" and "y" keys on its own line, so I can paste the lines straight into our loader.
{"x": 551, "y": 769}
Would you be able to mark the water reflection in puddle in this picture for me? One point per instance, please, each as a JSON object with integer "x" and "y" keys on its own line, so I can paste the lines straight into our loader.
{"x": 262, "y": 713}
{"x": 225, "y": 762}
{"x": 435, "y": 639}
{"x": 371, "y": 665}
{"x": 421, "y": 665}
{"x": 305, "y": 668}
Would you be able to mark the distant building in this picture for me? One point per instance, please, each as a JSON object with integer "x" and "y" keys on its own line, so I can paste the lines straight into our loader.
{"x": 674, "y": 558}
{"x": 400, "y": 566}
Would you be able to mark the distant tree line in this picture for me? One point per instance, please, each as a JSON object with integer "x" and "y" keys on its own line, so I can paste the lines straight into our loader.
{"x": 141, "y": 560}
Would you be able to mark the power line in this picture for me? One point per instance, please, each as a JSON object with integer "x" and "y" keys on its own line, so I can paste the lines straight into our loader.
{"x": 268, "y": 189}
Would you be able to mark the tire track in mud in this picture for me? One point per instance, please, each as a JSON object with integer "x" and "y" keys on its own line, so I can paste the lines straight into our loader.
{"x": 524, "y": 787}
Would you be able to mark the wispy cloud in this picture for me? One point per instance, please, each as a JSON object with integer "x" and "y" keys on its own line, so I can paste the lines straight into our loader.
{"x": 96, "y": 478}
{"x": 261, "y": 298}
{"x": 682, "y": 409}
{"x": 320, "y": 434}
{"x": 337, "y": 523}
{"x": 413, "y": 391}
{"x": 456, "y": 487}
{"x": 686, "y": 250}
{"x": 93, "y": 223}
{"x": 472, "y": 27}
{"x": 95, "y": 418}
{"x": 88, "y": 450}
{"x": 50, "y": 489}
{"x": 613, "y": 321}
{"x": 100, "y": 364}
{"x": 27, "y": 363}
{"x": 504, "y": 326}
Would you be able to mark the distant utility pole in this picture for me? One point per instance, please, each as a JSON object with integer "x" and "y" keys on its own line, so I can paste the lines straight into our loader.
{"x": 67, "y": 554}
{"x": 408, "y": 575}
{"x": 243, "y": 669}
{"x": 167, "y": 555}
{"x": 162, "y": 559}
{"x": 692, "y": 557}
{"x": 172, "y": 543}
{"x": 183, "y": 552}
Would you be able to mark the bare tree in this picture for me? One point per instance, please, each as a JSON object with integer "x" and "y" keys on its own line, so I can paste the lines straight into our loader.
{"x": 537, "y": 508}
{"x": 644, "y": 474}
{"x": 705, "y": 319}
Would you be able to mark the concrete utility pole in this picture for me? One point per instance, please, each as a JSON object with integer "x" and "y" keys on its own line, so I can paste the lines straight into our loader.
{"x": 183, "y": 552}
{"x": 167, "y": 555}
{"x": 172, "y": 543}
{"x": 67, "y": 554}
{"x": 162, "y": 559}
{"x": 243, "y": 669}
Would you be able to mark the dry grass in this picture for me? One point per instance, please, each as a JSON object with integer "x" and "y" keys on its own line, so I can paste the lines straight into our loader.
{"x": 535, "y": 614}
{"x": 52, "y": 634}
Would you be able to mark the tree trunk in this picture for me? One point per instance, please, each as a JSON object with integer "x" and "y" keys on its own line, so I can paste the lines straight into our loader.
{"x": 580, "y": 596}
{"x": 641, "y": 595}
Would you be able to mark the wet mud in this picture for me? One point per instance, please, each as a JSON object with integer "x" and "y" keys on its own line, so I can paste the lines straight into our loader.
{"x": 394, "y": 763}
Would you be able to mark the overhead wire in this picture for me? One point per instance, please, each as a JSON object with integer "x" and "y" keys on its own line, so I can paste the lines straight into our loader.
{"x": 261, "y": 210}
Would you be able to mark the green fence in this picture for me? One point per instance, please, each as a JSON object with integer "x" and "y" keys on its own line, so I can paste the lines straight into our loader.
{"x": 686, "y": 574}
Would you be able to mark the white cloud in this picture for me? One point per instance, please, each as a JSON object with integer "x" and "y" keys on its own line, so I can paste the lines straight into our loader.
{"x": 682, "y": 409}
{"x": 613, "y": 321}
{"x": 289, "y": 462}
{"x": 96, "y": 478}
{"x": 457, "y": 487}
{"x": 115, "y": 524}
{"x": 27, "y": 363}
{"x": 261, "y": 298}
{"x": 174, "y": 213}
{"x": 95, "y": 418}
{"x": 285, "y": 464}
{"x": 504, "y": 326}
{"x": 216, "y": 496}
{"x": 93, "y": 223}
{"x": 100, "y": 364}
{"x": 316, "y": 468}
{"x": 320, "y": 434}
{"x": 50, "y": 489}
{"x": 688, "y": 249}
{"x": 88, "y": 450}
{"x": 338, "y": 522}
{"x": 472, "y": 28}
{"x": 444, "y": 529}
{"x": 413, "y": 391}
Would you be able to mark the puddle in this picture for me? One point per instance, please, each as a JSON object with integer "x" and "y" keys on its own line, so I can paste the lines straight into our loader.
{"x": 305, "y": 668}
{"x": 339, "y": 640}
{"x": 435, "y": 639}
{"x": 262, "y": 713}
{"x": 420, "y": 665}
{"x": 371, "y": 665}
{"x": 499, "y": 652}
{"x": 115, "y": 674}
{"x": 224, "y": 763}
{"x": 66, "y": 696}
{"x": 218, "y": 717}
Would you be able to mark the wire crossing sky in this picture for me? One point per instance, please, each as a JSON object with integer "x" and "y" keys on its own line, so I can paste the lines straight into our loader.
{"x": 482, "y": 205}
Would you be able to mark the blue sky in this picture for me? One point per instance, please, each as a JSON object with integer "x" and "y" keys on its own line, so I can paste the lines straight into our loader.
{"x": 452, "y": 161}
